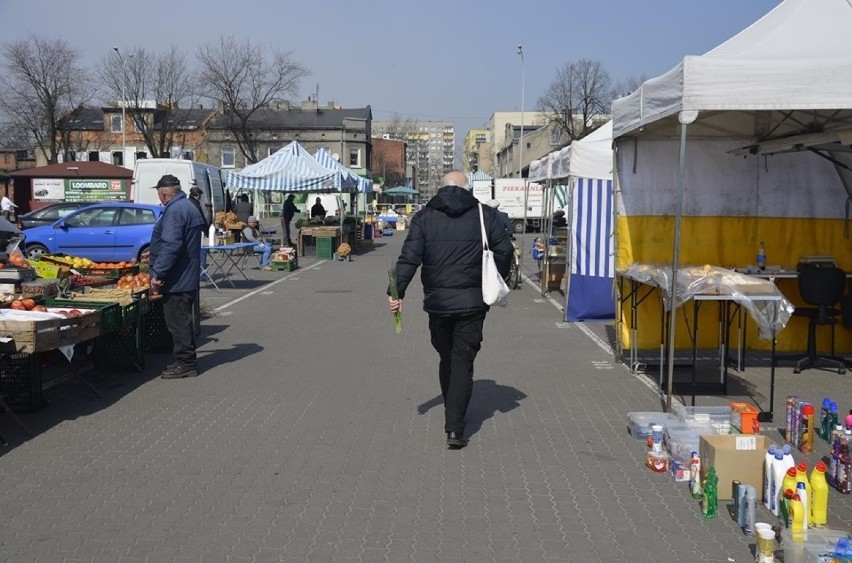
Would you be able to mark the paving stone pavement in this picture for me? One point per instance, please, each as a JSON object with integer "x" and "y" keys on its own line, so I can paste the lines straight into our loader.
{"x": 315, "y": 433}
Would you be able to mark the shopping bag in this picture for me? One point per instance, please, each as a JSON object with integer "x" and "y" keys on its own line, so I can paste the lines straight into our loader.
{"x": 494, "y": 288}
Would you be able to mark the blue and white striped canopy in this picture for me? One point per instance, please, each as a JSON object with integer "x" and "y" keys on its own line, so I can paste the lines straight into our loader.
{"x": 325, "y": 159}
{"x": 291, "y": 169}
{"x": 478, "y": 175}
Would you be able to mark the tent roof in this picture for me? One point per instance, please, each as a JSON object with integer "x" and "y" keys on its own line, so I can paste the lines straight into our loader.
{"x": 478, "y": 175}
{"x": 325, "y": 159}
{"x": 796, "y": 57}
{"x": 589, "y": 157}
{"x": 400, "y": 190}
{"x": 287, "y": 170}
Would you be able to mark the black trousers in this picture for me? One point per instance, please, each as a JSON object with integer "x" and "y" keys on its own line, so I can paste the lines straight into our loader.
{"x": 285, "y": 225}
{"x": 457, "y": 339}
{"x": 177, "y": 311}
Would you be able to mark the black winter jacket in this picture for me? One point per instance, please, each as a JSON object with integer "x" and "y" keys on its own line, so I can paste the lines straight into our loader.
{"x": 445, "y": 238}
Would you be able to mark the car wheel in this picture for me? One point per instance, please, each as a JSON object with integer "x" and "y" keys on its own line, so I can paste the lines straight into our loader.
{"x": 142, "y": 251}
{"x": 36, "y": 251}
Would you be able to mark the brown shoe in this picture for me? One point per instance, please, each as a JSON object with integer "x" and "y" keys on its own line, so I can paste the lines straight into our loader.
{"x": 179, "y": 372}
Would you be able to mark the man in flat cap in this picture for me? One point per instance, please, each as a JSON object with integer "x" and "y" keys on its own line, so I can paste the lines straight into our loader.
{"x": 175, "y": 268}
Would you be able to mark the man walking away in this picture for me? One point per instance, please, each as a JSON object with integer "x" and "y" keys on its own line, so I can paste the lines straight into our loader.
{"x": 287, "y": 213}
{"x": 174, "y": 264}
{"x": 445, "y": 238}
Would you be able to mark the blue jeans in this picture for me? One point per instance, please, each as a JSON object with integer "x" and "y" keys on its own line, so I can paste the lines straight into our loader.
{"x": 266, "y": 250}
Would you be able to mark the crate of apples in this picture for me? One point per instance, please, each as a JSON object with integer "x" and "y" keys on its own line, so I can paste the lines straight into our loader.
{"x": 136, "y": 282}
{"x": 26, "y": 304}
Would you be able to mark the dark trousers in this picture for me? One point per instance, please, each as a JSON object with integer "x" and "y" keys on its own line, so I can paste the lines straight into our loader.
{"x": 457, "y": 339}
{"x": 177, "y": 311}
{"x": 285, "y": 225}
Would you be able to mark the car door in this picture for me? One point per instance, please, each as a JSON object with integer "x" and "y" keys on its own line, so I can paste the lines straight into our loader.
{"x": 133, "y": 231}
{"x": 89, "y": 233}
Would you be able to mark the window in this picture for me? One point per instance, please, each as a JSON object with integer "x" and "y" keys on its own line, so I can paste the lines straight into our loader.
{"x": 228, "y": 157}
{"x": 137, "y": 217}
{"x": 94, "y": 156}
{"x": 115, "y": 123}
{"x": 273, "y": 150}
{"x": 141, "y": 154}
{"x": 98, "y": 217}
{"x": 555, "y": 135}
{"x": 118, "y": 158}
{"x": 355, "y": 157}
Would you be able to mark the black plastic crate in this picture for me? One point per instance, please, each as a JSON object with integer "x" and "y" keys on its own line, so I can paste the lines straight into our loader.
{"x": 122, "y": 350}
{"x": 20, "y": 382}
{"x": 158, "y": 337}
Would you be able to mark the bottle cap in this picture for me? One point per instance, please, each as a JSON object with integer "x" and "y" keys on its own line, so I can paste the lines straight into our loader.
{"x": 833, "y": 406}
{"x": 801, "y": 485}
{"x": 787, "y": 448}
{"x": 808, "y": 409}
{"x": 826, "y": 403}
{"x": 772, "y": 449}
{"x": 820, "y": 466}
{"x": 779, "y": 455}
{"x": 791, "y": 471}
{"x": 797, "y": 497}
{"x": 789, "y": 494}
{"x": 803, "y": 466}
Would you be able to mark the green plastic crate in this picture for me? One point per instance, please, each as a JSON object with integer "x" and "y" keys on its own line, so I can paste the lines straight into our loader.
{"x": 110, "y": 312}
{"x": 324, "y": 248}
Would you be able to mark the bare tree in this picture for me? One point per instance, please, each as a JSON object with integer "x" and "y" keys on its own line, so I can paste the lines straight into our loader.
{"x": 242, "y": 79}
{"x": 42, "y": 82}
{"x": 157, "y": 90}
{"x": 399, "y": 127}
{"x": 580, "y": 91}
{"x": 628, "y": 85}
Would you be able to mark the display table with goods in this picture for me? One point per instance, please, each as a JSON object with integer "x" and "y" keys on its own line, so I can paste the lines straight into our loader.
{"x": 324, "y": 250}
{"x": 732, "y": 291}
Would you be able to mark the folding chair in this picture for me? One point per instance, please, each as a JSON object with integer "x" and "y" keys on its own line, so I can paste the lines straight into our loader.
{"x": 249, "y": 256}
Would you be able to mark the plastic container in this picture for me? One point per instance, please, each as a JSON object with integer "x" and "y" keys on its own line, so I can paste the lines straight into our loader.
{"x": 804, "y": 547}
{"x": 718, "y": 417}
{"x": 639, "y": 423}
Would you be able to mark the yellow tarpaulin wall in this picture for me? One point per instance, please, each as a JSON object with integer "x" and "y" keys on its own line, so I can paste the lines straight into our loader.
{"x": 730, "y": 242}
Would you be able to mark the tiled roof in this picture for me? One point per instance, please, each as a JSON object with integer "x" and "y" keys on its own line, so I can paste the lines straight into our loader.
{"x": 77, "y": 169}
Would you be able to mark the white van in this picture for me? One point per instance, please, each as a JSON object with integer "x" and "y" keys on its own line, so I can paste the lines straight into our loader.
{"x": 148, "y": 172}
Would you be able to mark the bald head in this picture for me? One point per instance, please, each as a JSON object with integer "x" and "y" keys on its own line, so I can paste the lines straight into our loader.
{"x": 455, "y": 178}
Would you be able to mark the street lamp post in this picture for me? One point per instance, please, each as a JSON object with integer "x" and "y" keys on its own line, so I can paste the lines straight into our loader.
{"x": 123, "y": 104}
{"x": 521, "y": 157}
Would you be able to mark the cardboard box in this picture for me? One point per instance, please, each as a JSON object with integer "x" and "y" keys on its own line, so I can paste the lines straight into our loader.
{"x": 737, "y": 457}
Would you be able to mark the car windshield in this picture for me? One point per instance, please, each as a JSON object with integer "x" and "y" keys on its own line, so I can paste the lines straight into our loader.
{"x": 96, "y": 217}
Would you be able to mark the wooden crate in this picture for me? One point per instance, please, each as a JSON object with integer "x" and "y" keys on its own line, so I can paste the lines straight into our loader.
{"x": 48, "y": 334}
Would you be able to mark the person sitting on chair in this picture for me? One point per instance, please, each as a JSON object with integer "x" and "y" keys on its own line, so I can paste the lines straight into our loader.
{"x": 318, "y": 210}
{"x": 251, "y": 233}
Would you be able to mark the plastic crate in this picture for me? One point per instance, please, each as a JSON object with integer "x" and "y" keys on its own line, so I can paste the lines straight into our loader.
{"x": 110, "y": 273}
{"x": 110, "y": 312}
{"x": 324, "y": 248}
{"x": 718, "y": 416}
{"x": 639, "y": 423}
{"x": 281, "y": 266}
{"x": 20, "y": 382}
{"x": 123, "y": 350}
{"x": 157, "y": 335}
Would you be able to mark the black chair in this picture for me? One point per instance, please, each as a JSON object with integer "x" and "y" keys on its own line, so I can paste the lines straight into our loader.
{"x": 823, "y": 288}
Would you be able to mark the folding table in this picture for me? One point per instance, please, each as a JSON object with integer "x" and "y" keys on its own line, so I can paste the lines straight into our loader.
{"x": 224, "y": 259}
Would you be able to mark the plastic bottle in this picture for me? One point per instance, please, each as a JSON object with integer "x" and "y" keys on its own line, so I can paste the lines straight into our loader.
{"x": 807, "y": 429}
{"x": 848, "y": 420}
{"x": 844, "y": 465}
{"x": 784, "y": 507}
{"x": 779, "y": 470}
{"x": 833, "y": 420}
{"x": 802, "y": 493}
{"x": 710, "y": 502}
{"x": 788, "y": 456}
{"x": 797, "y": 514}
{"x": 824, "y": 418}
{"x": 695, "y": 475}
{"x": 836, "y": 436}
{"x": 768, "y": 461}
{"x": 819, "y": 499}
{"x": 761, "y": 256}
{"x": 802, "y": 477}
{"x": 789, "y": 482}
{"x": 211, "y": 235}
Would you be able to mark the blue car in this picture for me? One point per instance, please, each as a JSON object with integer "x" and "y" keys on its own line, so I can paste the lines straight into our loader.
{"x": 102, "y": 232}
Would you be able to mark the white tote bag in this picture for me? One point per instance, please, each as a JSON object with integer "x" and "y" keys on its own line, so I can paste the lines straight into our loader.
{"x": 494, "y": 288}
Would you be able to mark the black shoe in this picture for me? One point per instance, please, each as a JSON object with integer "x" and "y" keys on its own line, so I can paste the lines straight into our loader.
{"x": 456, "y": 440}
{"x": 180, "y": 371}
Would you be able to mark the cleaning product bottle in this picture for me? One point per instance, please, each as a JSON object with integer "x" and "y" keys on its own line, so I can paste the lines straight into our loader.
{"x": 807, "y": 429}
{"x": 761, "y": 256}
{"x": 819, "y": 499}
{"x": 848, "y": 420}
{"x": 833, "y": 419}
{"x": 789, "y": 482}
{"x": 749, "y": 504}
{"x": 710, "y": 500}
{"x": 784, "y": 507}
{"x": 768, "y": 460}
{"x": 844, "y": 465}
{"x": 695, "y": 475}
{"x": 797, "y": 515}
{"x": 788, "y": 456}
{"x": 831, "y": 475}
{"x": 803, "y": 494}
{"x": 779, "y": 470}
{"x": 824, "y": 418}
{"x": 788, "y": 418}
{"x": 802, "y": 477}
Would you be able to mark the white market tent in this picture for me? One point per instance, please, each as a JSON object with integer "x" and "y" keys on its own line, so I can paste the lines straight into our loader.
{"x": 586, "y": 167}
{"x": 746, "y": 143}
{"x": 290, "y": 169}
{"x": 328, "y": 161}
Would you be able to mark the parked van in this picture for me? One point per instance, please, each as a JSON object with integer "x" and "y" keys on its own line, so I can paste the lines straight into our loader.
{"x": 148, "y": 172}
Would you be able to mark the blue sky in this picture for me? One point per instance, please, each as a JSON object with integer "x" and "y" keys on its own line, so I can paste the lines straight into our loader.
{"x": 441, "y": 59}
